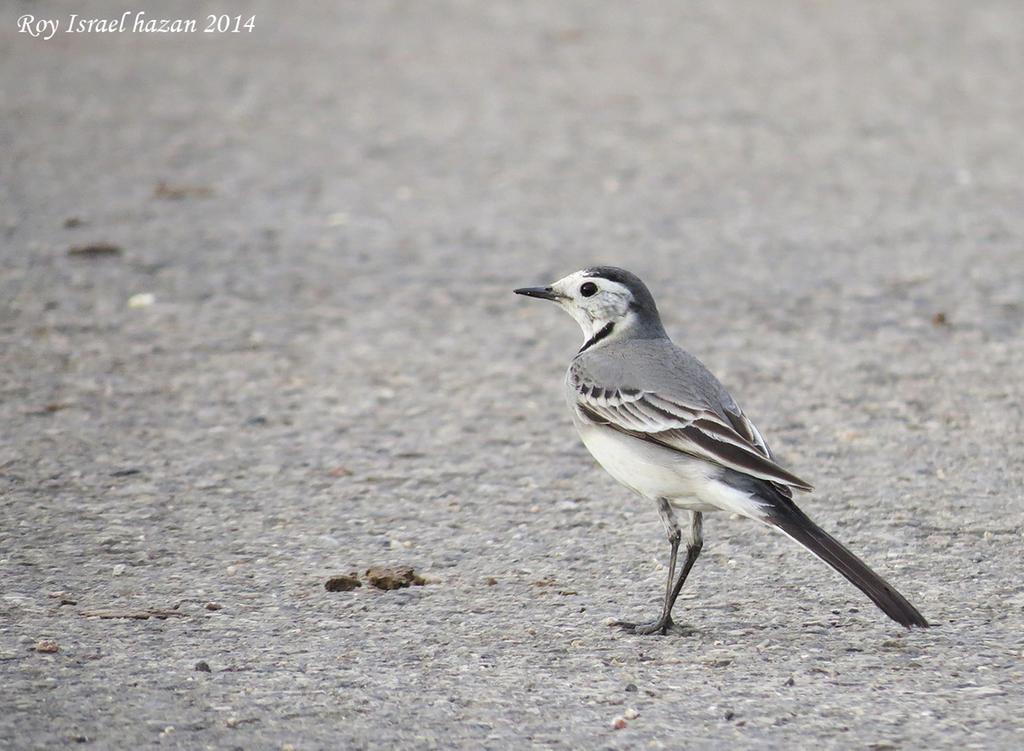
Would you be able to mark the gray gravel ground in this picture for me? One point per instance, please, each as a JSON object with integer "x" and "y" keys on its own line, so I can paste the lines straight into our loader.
{"x": 331, "y": 213}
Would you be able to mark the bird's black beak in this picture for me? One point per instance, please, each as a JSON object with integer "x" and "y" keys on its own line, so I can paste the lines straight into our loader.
{"x": 544, "y": 293}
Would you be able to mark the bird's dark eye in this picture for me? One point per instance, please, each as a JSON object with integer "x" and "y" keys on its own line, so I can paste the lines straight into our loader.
{"x": 588, "y": 289}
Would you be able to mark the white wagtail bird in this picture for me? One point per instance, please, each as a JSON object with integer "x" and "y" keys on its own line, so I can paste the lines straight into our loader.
{"x": 662, "y": 425}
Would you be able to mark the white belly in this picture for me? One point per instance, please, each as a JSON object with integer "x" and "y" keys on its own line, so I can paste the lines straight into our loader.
{"x": 649, "y": 470}
{"x": 656, "y": 472}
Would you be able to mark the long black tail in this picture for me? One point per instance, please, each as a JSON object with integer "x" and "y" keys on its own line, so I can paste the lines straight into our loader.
{"x": 795, "y": 523}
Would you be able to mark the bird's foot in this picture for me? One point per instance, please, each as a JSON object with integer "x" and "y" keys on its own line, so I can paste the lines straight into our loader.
{"x": 661, "y": 626}
{"x": 657, "y": 627}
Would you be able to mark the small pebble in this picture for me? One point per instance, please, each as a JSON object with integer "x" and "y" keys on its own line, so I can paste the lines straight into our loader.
{"x": 94, "y": 250}
{"x": 394, "y": 578}
{"x": 619, "y": 723}
{"x": 631, "y": 688}
{"x": 170, "y": 192}
{"x": 141, "y": 300}
{"x": 213, "y": 606}
{"x": 630, "y": 714}
{"x": 203, "y": 667}
{"x": 343, "y": 583}
{"x": 47, "y": 646}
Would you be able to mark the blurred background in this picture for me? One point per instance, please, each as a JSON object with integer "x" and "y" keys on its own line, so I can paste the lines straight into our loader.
{"x": 257, "y": 328}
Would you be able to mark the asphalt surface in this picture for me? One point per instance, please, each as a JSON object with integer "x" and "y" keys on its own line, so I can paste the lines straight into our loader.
{"x": 303, "y": 359}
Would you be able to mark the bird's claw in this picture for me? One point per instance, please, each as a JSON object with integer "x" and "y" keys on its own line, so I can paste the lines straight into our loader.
{"x": 661, "y": 626}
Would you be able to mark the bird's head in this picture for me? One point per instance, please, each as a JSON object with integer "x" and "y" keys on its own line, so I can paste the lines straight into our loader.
{"x": 605, "y": 301}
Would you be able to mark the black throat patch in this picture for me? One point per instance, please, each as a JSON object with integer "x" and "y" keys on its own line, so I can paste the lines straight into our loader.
{"x": 605, "y": 331}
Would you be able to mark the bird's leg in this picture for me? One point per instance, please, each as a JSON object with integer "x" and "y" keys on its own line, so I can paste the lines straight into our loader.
{"x": 694, "y": 544}
{"x": 674, "y": 533}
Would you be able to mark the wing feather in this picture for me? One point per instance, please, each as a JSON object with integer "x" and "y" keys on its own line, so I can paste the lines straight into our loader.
{"x": 728, "y": 438}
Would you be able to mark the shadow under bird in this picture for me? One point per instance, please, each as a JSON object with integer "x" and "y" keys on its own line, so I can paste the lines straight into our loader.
{"x": 662, "y": 425}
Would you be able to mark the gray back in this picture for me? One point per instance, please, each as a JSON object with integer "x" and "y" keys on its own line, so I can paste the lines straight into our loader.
{"x": 655, "y": 365}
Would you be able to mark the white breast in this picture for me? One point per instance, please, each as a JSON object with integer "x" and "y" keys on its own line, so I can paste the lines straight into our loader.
{"x": 656, "y": 472}
{"x": 650, "y": 470}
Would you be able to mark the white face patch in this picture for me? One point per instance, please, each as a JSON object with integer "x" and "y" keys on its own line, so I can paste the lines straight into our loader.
{"x": 610, "y": 304}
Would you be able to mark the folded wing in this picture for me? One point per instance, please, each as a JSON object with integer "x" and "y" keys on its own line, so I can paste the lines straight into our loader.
{"x": 726, "y": 438}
